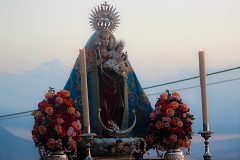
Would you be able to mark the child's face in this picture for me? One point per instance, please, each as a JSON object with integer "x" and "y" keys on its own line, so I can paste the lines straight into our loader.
{"x": 119, "y": 146}
{"x": 125, "y": 149}
{"x": 120, "y": 49}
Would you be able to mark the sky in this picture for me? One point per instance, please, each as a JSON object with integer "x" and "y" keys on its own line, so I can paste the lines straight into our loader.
{"x": 162, "y": 34}
{"x": 39, "y": 43}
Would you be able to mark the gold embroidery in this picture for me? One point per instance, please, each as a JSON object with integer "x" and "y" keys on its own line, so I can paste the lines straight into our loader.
{"x": 90, "y": 53}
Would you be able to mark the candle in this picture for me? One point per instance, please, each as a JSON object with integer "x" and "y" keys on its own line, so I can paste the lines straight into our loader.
{"x": 84, "y": 90}
{"x": 201, "y": 54}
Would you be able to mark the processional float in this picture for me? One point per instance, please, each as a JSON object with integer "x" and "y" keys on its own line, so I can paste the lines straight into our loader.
{"x": 126, "y": 140}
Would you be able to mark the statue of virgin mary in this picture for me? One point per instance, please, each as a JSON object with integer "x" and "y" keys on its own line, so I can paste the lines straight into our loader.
{"x": 117, "y": 95}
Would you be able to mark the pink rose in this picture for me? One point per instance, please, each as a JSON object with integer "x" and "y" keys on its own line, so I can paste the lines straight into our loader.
{"x": 51, "y": 143}
{"x": 170, "y": 112}
{"x": 159, "y": 124}
{"x": 49, "y": 95}
{"x": 58, "y": 128}
{"x": 184, "y": 115}
{"x": 38, "y": 114}
{"x": 49, "y": 110}
{"x": 184, "y": 107}
{"x": 72, "y": 143}
{"x": 71, "y": 110}
{"x": 59, "y": 100}
{"x": 166, "y": 119}
{"x": 189, "y": 120}
{"x": 179, "y": 123}
{"x": 65, "y": 93}
{"x": 166, "y": 124}
{"x": 74, "y": 125}
{"x": 42, "y": 129}
{"x": 158, "y": 107}
{"x": 181, "y": 143}
{"x": 60, "y": 120}
{"x": 164, "y": 96}
{"x": 152, "y": 116}
{"x": 173, "y": 138}
{"x": 158, "y": 111}
{"x": 79, "y": 125}
{"x": 71, "y": 132}
{"x": 174, "y": 105}
{"x": 77, "y": 114}
{"x": 175, "y": 94}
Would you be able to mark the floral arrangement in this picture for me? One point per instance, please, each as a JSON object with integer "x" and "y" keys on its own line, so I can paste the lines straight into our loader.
{"x": 57, "y": 123}
{"x": 170, "y": 124}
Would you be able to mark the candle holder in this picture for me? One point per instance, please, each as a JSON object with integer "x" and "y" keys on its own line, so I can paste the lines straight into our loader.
{"x": 88, "y": 137}
{"x": 206, "y": 135}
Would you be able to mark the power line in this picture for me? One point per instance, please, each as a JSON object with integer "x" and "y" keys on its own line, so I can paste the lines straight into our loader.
{"x": 16, "y": 114}
{"x": 180, "y": 89}
{"x": 190, "y": 78}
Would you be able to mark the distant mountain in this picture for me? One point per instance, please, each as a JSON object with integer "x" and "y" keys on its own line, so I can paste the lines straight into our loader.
{"x": 16, "y": 148}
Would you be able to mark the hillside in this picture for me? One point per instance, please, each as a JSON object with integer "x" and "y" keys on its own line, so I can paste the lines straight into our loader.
{"x": 16, "y": 148}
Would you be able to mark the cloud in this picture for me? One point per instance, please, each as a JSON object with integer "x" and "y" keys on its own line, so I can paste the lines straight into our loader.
{"x": 21, "y": 92}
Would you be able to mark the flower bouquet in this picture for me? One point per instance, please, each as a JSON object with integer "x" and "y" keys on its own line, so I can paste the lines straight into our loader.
{"x": 57, "y": 123}
{"x": 170, "y": 124}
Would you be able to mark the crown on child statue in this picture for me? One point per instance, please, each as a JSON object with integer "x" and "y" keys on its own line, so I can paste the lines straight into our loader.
{"x": 104, "y": 17}
{"x": 121, "y": 42}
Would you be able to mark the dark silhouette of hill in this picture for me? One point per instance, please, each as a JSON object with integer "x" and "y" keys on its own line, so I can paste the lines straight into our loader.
{"x": 16, "y": 148}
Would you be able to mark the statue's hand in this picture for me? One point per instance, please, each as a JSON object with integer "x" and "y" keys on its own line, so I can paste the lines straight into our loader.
{"x": 126, "y": 56}
{"x": 99, "y": 61}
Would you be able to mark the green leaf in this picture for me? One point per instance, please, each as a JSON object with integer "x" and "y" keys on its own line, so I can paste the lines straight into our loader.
{"x": 34, "y": 112}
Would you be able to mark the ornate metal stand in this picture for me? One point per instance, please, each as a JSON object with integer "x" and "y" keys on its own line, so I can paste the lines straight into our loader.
{"x": 206, "y": 135}
{"x": 88, "y": 137}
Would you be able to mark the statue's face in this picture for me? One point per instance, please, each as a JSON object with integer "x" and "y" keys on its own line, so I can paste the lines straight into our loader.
{"x": 104, "y": 39}
{"x": 120, "y": 49}
{"x": 119, "y": 146}
{"x": 125, "y": 149}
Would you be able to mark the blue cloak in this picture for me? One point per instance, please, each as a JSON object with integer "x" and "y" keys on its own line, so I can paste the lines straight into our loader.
{"x": 135, "y": 97}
